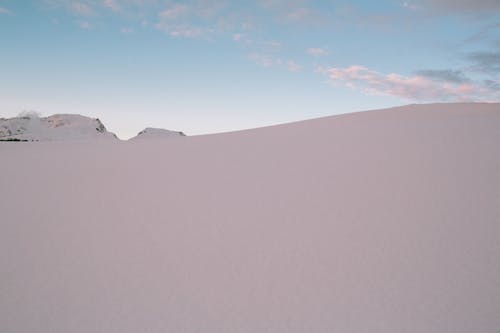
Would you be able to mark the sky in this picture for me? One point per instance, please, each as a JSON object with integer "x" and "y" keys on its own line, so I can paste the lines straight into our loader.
{"x": 207, "y": 66}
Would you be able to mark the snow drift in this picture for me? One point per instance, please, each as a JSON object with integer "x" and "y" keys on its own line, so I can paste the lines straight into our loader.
{"x": 382, "y": 221}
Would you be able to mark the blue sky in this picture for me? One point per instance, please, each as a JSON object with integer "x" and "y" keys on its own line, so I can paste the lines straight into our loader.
{"x": 205, "y": 66}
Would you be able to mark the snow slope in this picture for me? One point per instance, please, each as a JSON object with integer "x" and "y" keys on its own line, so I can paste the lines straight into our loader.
{"x": 59, "y": 127}
{"x": 157, "y": 133}
{"x": 381, "y": 221}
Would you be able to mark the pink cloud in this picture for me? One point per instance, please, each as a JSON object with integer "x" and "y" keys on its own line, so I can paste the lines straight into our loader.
{"x": 415, "y": 88}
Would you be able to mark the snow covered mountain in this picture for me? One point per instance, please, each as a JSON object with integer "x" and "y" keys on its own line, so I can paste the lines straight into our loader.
{"x": 157, "y": 133}
{"x": 59, "y": 127}
{"x": 383, "y": 221}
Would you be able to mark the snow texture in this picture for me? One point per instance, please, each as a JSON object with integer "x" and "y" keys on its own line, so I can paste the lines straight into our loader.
{"x": 381, "y": 221}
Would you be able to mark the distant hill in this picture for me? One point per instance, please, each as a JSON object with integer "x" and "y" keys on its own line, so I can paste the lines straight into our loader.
{"x": 59, "y": 127}
{"x": 157, "y": 133}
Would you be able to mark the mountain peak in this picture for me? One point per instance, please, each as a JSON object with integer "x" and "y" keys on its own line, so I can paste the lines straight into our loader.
{"x": 58, "y": 127}
{"x": 157, "y": 133}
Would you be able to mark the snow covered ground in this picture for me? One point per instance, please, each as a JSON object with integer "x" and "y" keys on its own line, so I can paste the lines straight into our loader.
{"x": 382, "y": 221}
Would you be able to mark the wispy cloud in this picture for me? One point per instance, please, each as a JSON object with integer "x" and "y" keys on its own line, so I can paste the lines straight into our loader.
{"x": 175, "y": 21}
{"x": 444, "y": 75}
{"x": 238, "y": 37}
{"x": 5, "y": 11}
{"x": 317, "y": 51}
{"x": 188, "y": 31}
{"x": 174, "y": 12}
{"x": 292, "y": 66}
{"x": 485, "y": 61}
{"x": 265, "y": 60}
{"x": 85, "y": 25}
{"x": 244, "y": 40}
{"x": 301, "y": 14}
{"x": 294, "y": 11}
{"x": 95, "y": 8}
{"x": 82, "y": 8}
{"x": 467, "y": 7}
{"x": 410, "y": 5}
{"x": 201, "y": 18}
{"x": 111, "y": 4}
{"x": 415, "y": 88}
{"x": 127, "y": 30}
{"x": 271, "y": 60}
{"x": 492, "y": 84}
{"x": 489, "y": 32}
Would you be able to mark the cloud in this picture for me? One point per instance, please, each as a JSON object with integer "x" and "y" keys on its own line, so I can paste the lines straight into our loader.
{"x": 174, "y": 12}
{"x": 316, "y": 51}
{"x": 82, "y": 8}
{"x": 96, "y": 8}
{"x": 300, "y": 14}
{"x": 111, "y": 4}
{"x": 270, "y": 60}
{"x": 446, "y": 75}
{"x": 271, "y": 3}
{"x": 487, "y": 61}
{"x": 265, "y": 60}
{"x": 243, "y": 39}
{"x": 127, "y": 30}
{"x": 176, "y": 22}
{"x": 210, "y": 8}
{"x": 461, "y": 6}
{"x": 489, "y": 32}
{"x": 416, "y": 88}
{"x": 292, "y": 66}
{"x": 187, "y": 31}
{"x": 410, "y": 5}
{"x": 85, "y": 25}
{"x": 201, "y": 18}
{"x": 294, "y": 11}
{"x": 492, "y": 84}
{"x": 5, "y": 11}
{"x": 238, "y": 37}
